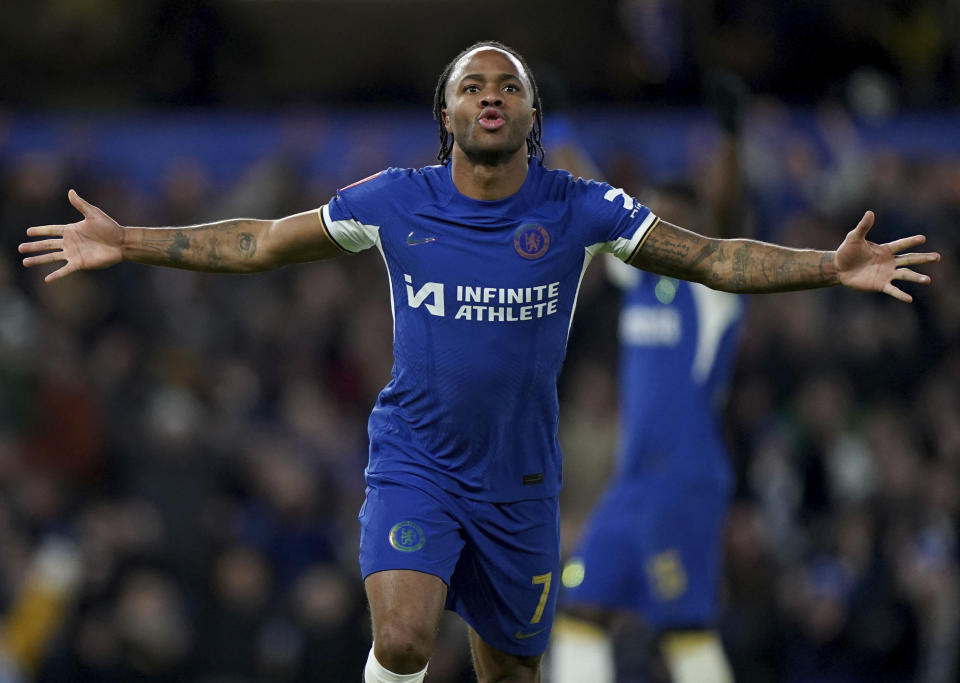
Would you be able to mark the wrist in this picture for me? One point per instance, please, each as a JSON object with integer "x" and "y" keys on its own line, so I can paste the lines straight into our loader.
{"x": 127, "y": 242}
{"x": 830, "y": 268}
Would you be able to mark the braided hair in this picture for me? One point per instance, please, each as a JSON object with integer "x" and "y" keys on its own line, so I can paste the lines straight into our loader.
{"x": 534, "y": 146}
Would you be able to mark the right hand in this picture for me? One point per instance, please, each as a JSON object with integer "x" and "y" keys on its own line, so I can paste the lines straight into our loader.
{"x": 90, "y": 244}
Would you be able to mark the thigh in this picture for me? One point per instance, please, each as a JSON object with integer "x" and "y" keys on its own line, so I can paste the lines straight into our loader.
{"x": 403, "y": 599}
{"x": 492, "y": 664}
{"x": 409, "y": 546}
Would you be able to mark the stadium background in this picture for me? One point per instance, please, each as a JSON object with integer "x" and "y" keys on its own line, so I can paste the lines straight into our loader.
{"x": 192, "y": 445}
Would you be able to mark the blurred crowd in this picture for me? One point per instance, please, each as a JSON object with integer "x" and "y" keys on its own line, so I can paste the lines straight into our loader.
{"x": 842, "y": 551}
{"x": 116, "y": 53}
{"x": 181, "y": 454}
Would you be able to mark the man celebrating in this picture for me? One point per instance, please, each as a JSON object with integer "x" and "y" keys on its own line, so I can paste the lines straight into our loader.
{"x": 485, "y": 253}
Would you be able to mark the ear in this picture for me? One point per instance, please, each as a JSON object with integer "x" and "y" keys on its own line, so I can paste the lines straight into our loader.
{"x": 446, "y": 120}
{"x": 533, "y": 119}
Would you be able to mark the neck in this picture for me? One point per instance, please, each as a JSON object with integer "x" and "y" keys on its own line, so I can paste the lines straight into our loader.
{"x": 488, "y": 179}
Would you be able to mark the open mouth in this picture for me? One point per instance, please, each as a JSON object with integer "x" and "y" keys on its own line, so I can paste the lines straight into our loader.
{"x": 491, "y": 118}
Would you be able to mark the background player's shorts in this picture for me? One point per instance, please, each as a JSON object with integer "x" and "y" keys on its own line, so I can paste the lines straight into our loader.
{"x": 654, "y": 548}
{"x": 500, "y": 561}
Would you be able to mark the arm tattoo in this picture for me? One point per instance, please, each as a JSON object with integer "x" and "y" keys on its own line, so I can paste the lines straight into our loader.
{"x": 668, "y": 250}
{"x": 204, "y": 247}
{"x": 665, "y": 252}
{"x": 707, "y": 252}
{"x": 247, "y": 245}
{"x": 738, "y": 265}
{"x": 177, "y": 246}
{"x": 824, "y": 260}
{"x": 213, "y": 255}
{"x": 742, "y": 265}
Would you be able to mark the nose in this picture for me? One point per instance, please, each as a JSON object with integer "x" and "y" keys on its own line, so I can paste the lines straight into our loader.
{"x": 491, "y": 99}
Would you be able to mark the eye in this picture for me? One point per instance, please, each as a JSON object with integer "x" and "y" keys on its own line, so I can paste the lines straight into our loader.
{"x": 511, "y": 87}
{"x": 471, "y": 89}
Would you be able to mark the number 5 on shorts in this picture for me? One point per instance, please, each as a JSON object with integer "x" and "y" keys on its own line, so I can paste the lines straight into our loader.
{"x": 545, "y": 580}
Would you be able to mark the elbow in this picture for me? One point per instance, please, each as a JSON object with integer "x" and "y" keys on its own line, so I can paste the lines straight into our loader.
{"x": 707, "y": 266}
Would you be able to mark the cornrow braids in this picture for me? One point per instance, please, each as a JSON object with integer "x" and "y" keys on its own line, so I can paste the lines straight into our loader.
{"x": 534, "y": 145}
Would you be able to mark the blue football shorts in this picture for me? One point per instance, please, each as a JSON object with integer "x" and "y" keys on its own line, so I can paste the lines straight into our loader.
{"x": 655, "y": 548}
{"x": 500, "y": 561}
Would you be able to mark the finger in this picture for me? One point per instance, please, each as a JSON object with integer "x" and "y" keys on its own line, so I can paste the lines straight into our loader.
{"x": 39, "y": 245}
{"x": 905, "y": 243}
{"x": 916, "y": 259}
{"x": 863, "y": 227}
{"x": 80, "y": 204}
{"x": 59, "y": 273}
{"x": 908, "y": 275}
{"x": 46, "y": 231}
{"x": 52, "y": 257}
{"x": 897, "y": 293}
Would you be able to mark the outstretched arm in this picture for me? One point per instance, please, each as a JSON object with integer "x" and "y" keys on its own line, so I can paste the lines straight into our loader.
{"x": 749, "y": 266}
{"x": 241, "y": 245}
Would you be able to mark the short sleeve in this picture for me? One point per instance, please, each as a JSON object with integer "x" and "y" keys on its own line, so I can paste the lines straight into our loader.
{"x": 352, "y": 218}
{"x": 617, "y": 222}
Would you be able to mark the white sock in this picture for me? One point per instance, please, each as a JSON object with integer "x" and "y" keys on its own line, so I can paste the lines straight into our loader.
{"x": 580, "y": 651}
{"x": 375, "y": 673}
{"x": 696, "y": 657}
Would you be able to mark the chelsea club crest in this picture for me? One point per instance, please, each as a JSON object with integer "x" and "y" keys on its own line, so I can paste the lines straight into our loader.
{"x": 531, "y": 241}
{"x": 407, "y": 537}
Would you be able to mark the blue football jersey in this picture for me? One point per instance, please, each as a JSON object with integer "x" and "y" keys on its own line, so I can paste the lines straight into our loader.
{"x": 482, "y": 294}
{"x": 677, "y": 347}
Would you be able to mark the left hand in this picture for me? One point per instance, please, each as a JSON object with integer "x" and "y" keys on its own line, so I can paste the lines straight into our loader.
{"x": 873, "y": 267}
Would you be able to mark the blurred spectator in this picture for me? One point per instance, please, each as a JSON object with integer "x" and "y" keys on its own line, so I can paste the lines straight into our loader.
{"x": 233, "y": 614}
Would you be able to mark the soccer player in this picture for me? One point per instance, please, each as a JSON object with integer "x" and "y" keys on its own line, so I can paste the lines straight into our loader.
{"x": 653, "y": 545}
{"x": 485, "y": 252}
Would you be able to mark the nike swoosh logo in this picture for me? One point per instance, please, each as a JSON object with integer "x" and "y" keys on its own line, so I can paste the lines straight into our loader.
{"x": 413, "y": 241}
{"x": 520, "y": 636}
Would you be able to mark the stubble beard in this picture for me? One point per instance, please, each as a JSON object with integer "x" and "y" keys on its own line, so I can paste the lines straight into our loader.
{"x": 491, "y": 155}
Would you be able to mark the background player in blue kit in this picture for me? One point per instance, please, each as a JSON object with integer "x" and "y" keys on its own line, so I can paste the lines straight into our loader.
{"x": 485, "y": 254}
{"x": 653, "y": 545}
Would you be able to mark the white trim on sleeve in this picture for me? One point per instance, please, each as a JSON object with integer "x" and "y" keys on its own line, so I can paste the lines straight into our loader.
{"x": 351, "y": 235}
{"x": 624, "y": 248}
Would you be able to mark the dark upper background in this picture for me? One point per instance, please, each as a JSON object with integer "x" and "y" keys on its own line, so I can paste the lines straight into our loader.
{"x": 264, "y": 53}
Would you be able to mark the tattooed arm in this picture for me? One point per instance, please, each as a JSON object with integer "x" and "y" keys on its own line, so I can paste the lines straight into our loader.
{"x": 235, "y": 246}
{"x": 739, "y": 265}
